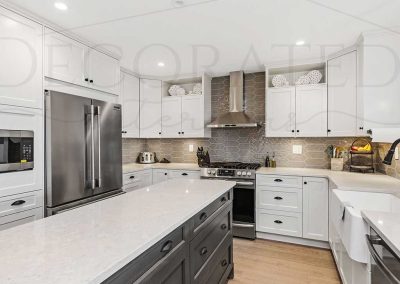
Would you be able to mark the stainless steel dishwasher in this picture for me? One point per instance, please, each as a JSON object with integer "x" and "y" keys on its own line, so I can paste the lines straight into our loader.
{"x": 385, "y": 264}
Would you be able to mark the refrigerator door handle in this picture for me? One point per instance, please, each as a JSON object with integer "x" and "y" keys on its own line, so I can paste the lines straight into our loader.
{"x": 92, "y": 168}
{"x": 99, "y": 143}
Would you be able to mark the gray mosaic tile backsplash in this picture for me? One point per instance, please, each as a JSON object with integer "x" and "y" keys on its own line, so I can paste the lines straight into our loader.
{"x": 392, "y": 170}
{"x": 245, "y": 145}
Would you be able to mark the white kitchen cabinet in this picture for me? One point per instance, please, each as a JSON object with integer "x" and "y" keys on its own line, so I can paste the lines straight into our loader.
{"x": 17, "y": 118}
{"x": 342, "y": 95}
{"x": 379, "y": 82}
{"x": 20, "y": 218}
{"x": 150, "y": 108}
{"x": 280, "y": 108}
{"x": 70, "y": 61}
{"x": 311, "y": 111}
{"x": 159, "y": 175}
{"x": 130, "y": 101}
{"x": 137, "y": 180}
{"x": 315, "y": 208}
{"x": 21, "y": 71}
{"x": 64, "y": 58}
{"x": 193, "y": 122}
{"x": 171, "y": 117}
{"x": 103, "y": 71}
{"x": 279, "y": 222}
{"x": 12, "y": 204}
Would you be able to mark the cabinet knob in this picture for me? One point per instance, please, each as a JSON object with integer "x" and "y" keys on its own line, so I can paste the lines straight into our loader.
{"x": 203, "y": 216}
{"x": 278, "y": 222}
{"x": 159, "y": 133}
{"x": 329, "y": 130}
{"x": 305, "y": 182}
{"x": 223, "y": 199}
{"x": 297, "y": 131}
{"x": 278, "y": 180}
{"x": 167, "y": 246}
{"x": 18, "y": 202}
{"x": 183, "y": 132}
{"x": 179, "y": 133}
{"x": 91, "y": 81}
{"x": 224, "y": 226}
{"x": 124, "y": 132}
{"x": 184, "y": 174}
{"x": 131, "y": 177}
{"x": 203, "y": 251}
{"x": 165, "y": 174}
{"x": 86, "y": 79}
{"x": 292, "y": 131}
{"x": 224, "y": 263}
{"x": 278, "y": 198}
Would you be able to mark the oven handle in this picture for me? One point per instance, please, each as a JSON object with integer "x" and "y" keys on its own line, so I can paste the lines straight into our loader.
{"x": 244, "y": 183}
{"x": 242, "y": 225}
{"x": 379, "y": 261}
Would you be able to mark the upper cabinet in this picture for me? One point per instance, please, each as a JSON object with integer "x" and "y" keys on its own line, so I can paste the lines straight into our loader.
{"x": 21, "y": 61}
{"x": 295, "y": 110}
{"x": 72, "y": 62}
{"x": 150, "y": 108}
{"x": 379, "y": 80}
{"x": 187, "y": 116}
{"x": 342, "y": 96}
{"x": 130, "y": 101}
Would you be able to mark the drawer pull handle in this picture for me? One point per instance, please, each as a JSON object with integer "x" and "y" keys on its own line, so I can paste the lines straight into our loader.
{"x": 278, "y": 198}
{"x": 203, "y": 251}
{"x": 203, "y": 217}
{"x": 278, "y": 180}
{"x": 167, "y": 246}
{"x": 131, "y": 177}
{"x": 305, "y": 182}
{"x": 224, "y": 226}
{"x": 278, "y": 222}
{"x": 165, "y": 174}
{"x": 224, "y": 263}
{"x": 223, "y": 199}
{"x": 18, "y": 202}
{"x": 184, "y": 174}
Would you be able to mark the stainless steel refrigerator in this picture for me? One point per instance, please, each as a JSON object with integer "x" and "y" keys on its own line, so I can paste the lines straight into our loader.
{"x": 83, "y": 151}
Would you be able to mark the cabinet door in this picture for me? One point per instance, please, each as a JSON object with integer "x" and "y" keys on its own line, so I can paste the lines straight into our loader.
{"x": 21, "y": 218}
{"x": 342, "y": 95}
{"x": 64, "y": 58}
{"x": 311, "y": 111}
{"x": 193, "y": 116}
{"x": 160, "y": 176}
{"x": 21, "y": 71}
{"x": 280, "y": 112}
{"x": 171, "y": 117}
{"x": 150, "y": 108}
{"x": 315, "y": 208}
{"x": 130, "y": 106}
{"x": 104, "y": 71}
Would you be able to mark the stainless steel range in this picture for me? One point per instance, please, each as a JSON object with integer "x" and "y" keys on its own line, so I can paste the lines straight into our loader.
{"x": 244, "y": 193}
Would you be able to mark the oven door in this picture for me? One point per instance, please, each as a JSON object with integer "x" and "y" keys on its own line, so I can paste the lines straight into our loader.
{"x": 244, "y": 209}
{"x": 385, "y": 265}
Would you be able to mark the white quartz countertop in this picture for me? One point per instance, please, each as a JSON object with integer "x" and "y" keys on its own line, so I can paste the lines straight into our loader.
{"x": 88, "y": 244}
{"x": 127, "y": 168}
{"x": 387, "y": 225}
{"x": 343, "y": 180}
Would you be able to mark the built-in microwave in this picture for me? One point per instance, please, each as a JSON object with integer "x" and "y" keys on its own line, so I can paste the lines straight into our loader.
{"x": 16, "y": 150}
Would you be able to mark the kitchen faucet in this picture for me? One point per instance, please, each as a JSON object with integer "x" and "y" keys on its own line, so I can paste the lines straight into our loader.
{"x": 389, "y": 155}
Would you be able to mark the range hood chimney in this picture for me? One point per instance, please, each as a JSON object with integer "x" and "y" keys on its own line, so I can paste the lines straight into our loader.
{"x": 236, "y": 117}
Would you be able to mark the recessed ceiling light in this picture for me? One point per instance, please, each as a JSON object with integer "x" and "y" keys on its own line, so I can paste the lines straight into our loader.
{"x": 300, "y": 42}
{"x": 161, "y": 64}
{"x": 61, "y": 6}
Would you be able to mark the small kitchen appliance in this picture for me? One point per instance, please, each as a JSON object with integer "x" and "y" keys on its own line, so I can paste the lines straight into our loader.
{"x": 16, "y": 150}
{"x": 147, "y": 158}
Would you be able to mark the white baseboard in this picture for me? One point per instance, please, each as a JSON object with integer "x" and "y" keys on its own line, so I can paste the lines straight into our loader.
{"x": 293, "y": 240}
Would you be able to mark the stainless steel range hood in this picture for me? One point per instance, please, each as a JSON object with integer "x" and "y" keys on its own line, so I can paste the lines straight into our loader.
{"x": 236, "y": 117}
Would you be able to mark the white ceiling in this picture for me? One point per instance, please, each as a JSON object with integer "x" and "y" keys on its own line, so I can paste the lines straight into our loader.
{"x": 217, "y": 36}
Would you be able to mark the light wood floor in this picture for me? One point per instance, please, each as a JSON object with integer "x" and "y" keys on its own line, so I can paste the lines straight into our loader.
{"x": 269, "y": 262}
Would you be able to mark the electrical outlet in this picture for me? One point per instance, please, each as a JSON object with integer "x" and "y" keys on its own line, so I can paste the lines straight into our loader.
{"x": 191, "y": 148}
{"x": 297, "y": 149}
{"x": 396, "y": 153}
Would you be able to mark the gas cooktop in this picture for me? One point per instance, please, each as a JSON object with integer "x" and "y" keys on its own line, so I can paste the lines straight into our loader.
{"x": 235, "y": 170}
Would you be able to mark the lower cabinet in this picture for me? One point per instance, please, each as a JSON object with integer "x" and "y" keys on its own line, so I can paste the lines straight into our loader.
{"x": 159, "y": 175}
{"x": 23, "y": 217}
{"x": 292, "y": 206}
{"x": 196, "y": 252}
{"x": 136, "y": 180}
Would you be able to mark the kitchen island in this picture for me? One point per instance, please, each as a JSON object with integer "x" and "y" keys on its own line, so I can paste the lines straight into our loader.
{"x": 110, "y": 239}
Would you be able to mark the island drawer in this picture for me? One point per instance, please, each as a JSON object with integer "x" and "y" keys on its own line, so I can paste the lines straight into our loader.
{"x": 279, "y": 198}
{"x": 20, "y": 202}
{"x": 218, "y": 268}
{"x": 205, "y": 243}
{"x": 281, "y": 181}
{"x": 136, "y": 268}
{"x": 205, "y": 214}
{"x": 13, "y": 220}
{"x": 280, "y": 222}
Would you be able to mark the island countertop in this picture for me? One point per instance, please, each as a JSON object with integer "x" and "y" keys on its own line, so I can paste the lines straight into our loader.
{"x": 89, "y": 244}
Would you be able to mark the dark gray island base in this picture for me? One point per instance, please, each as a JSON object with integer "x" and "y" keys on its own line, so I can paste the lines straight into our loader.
{"x": 199, "y": 251}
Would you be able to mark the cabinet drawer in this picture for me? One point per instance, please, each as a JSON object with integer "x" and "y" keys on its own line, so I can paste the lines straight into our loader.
{"x": 148, "y": 259}
{"x": 20, "y": 218}
{"x": 20, "y": 202}
{"x": 219, "y": 266}
{"x": 136, "y": 180}
{"x": 279, "y": 222}
{"x": 281, "y": 181}
{"x": 204, "y": 215}
{"x": 279, "y": 198}
{"x": 184, "y": 174}
{"x": 205, "y": 243}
